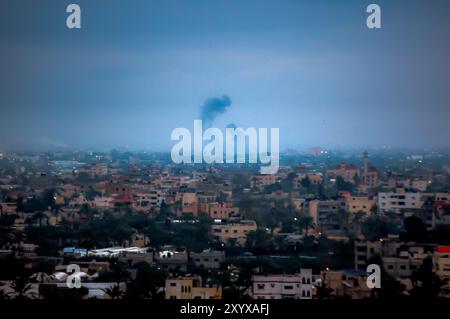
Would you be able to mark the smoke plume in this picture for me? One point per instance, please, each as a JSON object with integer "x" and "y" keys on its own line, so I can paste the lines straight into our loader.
{"x": 213, "y": 107}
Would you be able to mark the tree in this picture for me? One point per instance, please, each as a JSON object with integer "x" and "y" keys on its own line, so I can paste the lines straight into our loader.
{"x": 374, "y": 228}
{"x": 343, "y": 217}
{"x": 342, "y": 185}
{"x": 322, "y": 290}
{"x": 426, "y": 284}
{"x": 114, "y": 292}
{"x": 416, "y": 230}
{"x": 258, "y": 241}
{"x": 306, "y": 183}
{"x": 148, "y": 281}
{"x": 390, "y": 287}
{"x": 305, "y": 222}
{"x": 21, "y": 290}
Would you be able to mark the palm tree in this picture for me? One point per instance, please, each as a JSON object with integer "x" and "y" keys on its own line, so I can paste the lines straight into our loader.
{"x": 114, "y": 292}
{"x": 427, "y": 284}
{"x": 21, "y": 290}
{"x": 322, "y": 290}
{"x": 42, "y": 277}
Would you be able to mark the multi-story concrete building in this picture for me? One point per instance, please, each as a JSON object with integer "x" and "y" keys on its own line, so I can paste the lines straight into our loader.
{"x": 223, "y": 211}
{"x": 169, "y": 258}
{"x": 441, "y": 261}
{"x": 261, "y": 181}
{"x": 144, "y": 201}
{"x": 346, "y": 283}
{"x": 233, "y": 231}
{"x": 398, "y": 200}
{"x": 191, "y": 288}
{"x": 366, "y": 250}
{"x": 355, "y": 204}
{"x": 348, "y": 172}
{"x": 210, "y": 259}
{"x": 296, "y": 286}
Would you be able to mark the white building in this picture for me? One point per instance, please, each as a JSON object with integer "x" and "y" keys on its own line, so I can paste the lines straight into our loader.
{"x": 296, "y": 286}
{"x": 395, "y": 201}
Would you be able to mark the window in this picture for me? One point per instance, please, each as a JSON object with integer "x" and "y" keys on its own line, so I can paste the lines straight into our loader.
{"x": 261, "y": 286}
{"x": 173, "y": 297}
{"x": 289, "y": 287}
{"x": 173, "y": 284}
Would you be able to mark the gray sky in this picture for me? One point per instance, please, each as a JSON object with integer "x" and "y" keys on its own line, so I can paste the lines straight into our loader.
{"x": 138, "y": 69}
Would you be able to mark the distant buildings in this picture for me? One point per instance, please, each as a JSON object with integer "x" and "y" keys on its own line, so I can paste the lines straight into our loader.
{"x": 397, "y": 200}
{"x": 191, "y": 288}
{"x": 223, "y": 211}
{"x": 441, "y": 261}
{"x": 348, "y": 283}
{"x": 261, "y": 181}
{"x": 355, "y": 204}
{"x": 210, "y": 259}
{"x": 348, "y": 172}
{"x": 295, "y": 286}
{"x": 237, "y": 231}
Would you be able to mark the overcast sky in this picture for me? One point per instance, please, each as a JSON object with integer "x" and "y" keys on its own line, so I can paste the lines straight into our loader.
{"x": 138, "y": 69}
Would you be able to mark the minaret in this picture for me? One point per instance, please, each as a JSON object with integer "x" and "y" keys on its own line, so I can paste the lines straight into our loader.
{"x": 365, "y": 166}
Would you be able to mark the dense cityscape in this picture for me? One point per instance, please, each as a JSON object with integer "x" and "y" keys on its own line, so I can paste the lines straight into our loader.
{"x": 140, "y": 227}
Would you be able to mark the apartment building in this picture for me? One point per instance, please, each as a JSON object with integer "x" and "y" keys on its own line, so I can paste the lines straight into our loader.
{"x": 322, "y": 211}
{"x": 346, "y": 283}
{"x": 233, "y": 231}
{"x": 191, "y": 288}
{"x": 398, "y": 200}
{"x": 366, "y": 250}
{"x": 441, "y": 213}
{"x": 284, "y": 286}
{"x": 402, "y": 266}
{"x": 189, "y": 202}
{"x": 441, "y": 261}
{"x": 261, "y": 181}
{"x": 348, "y": 172}
{"x": 355, "y": 204}
{"x": 144, "y": 201}
{"x": 169, "y": 258}
{"x": 223, "y": 211}
{"x": 210, "y": 259}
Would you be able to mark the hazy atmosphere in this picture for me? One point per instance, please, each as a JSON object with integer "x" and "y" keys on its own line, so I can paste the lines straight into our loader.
{"x": 135, "y": 71}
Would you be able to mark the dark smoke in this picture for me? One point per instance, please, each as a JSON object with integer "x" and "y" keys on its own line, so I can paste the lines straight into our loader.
{"x": 213, "y": 107}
